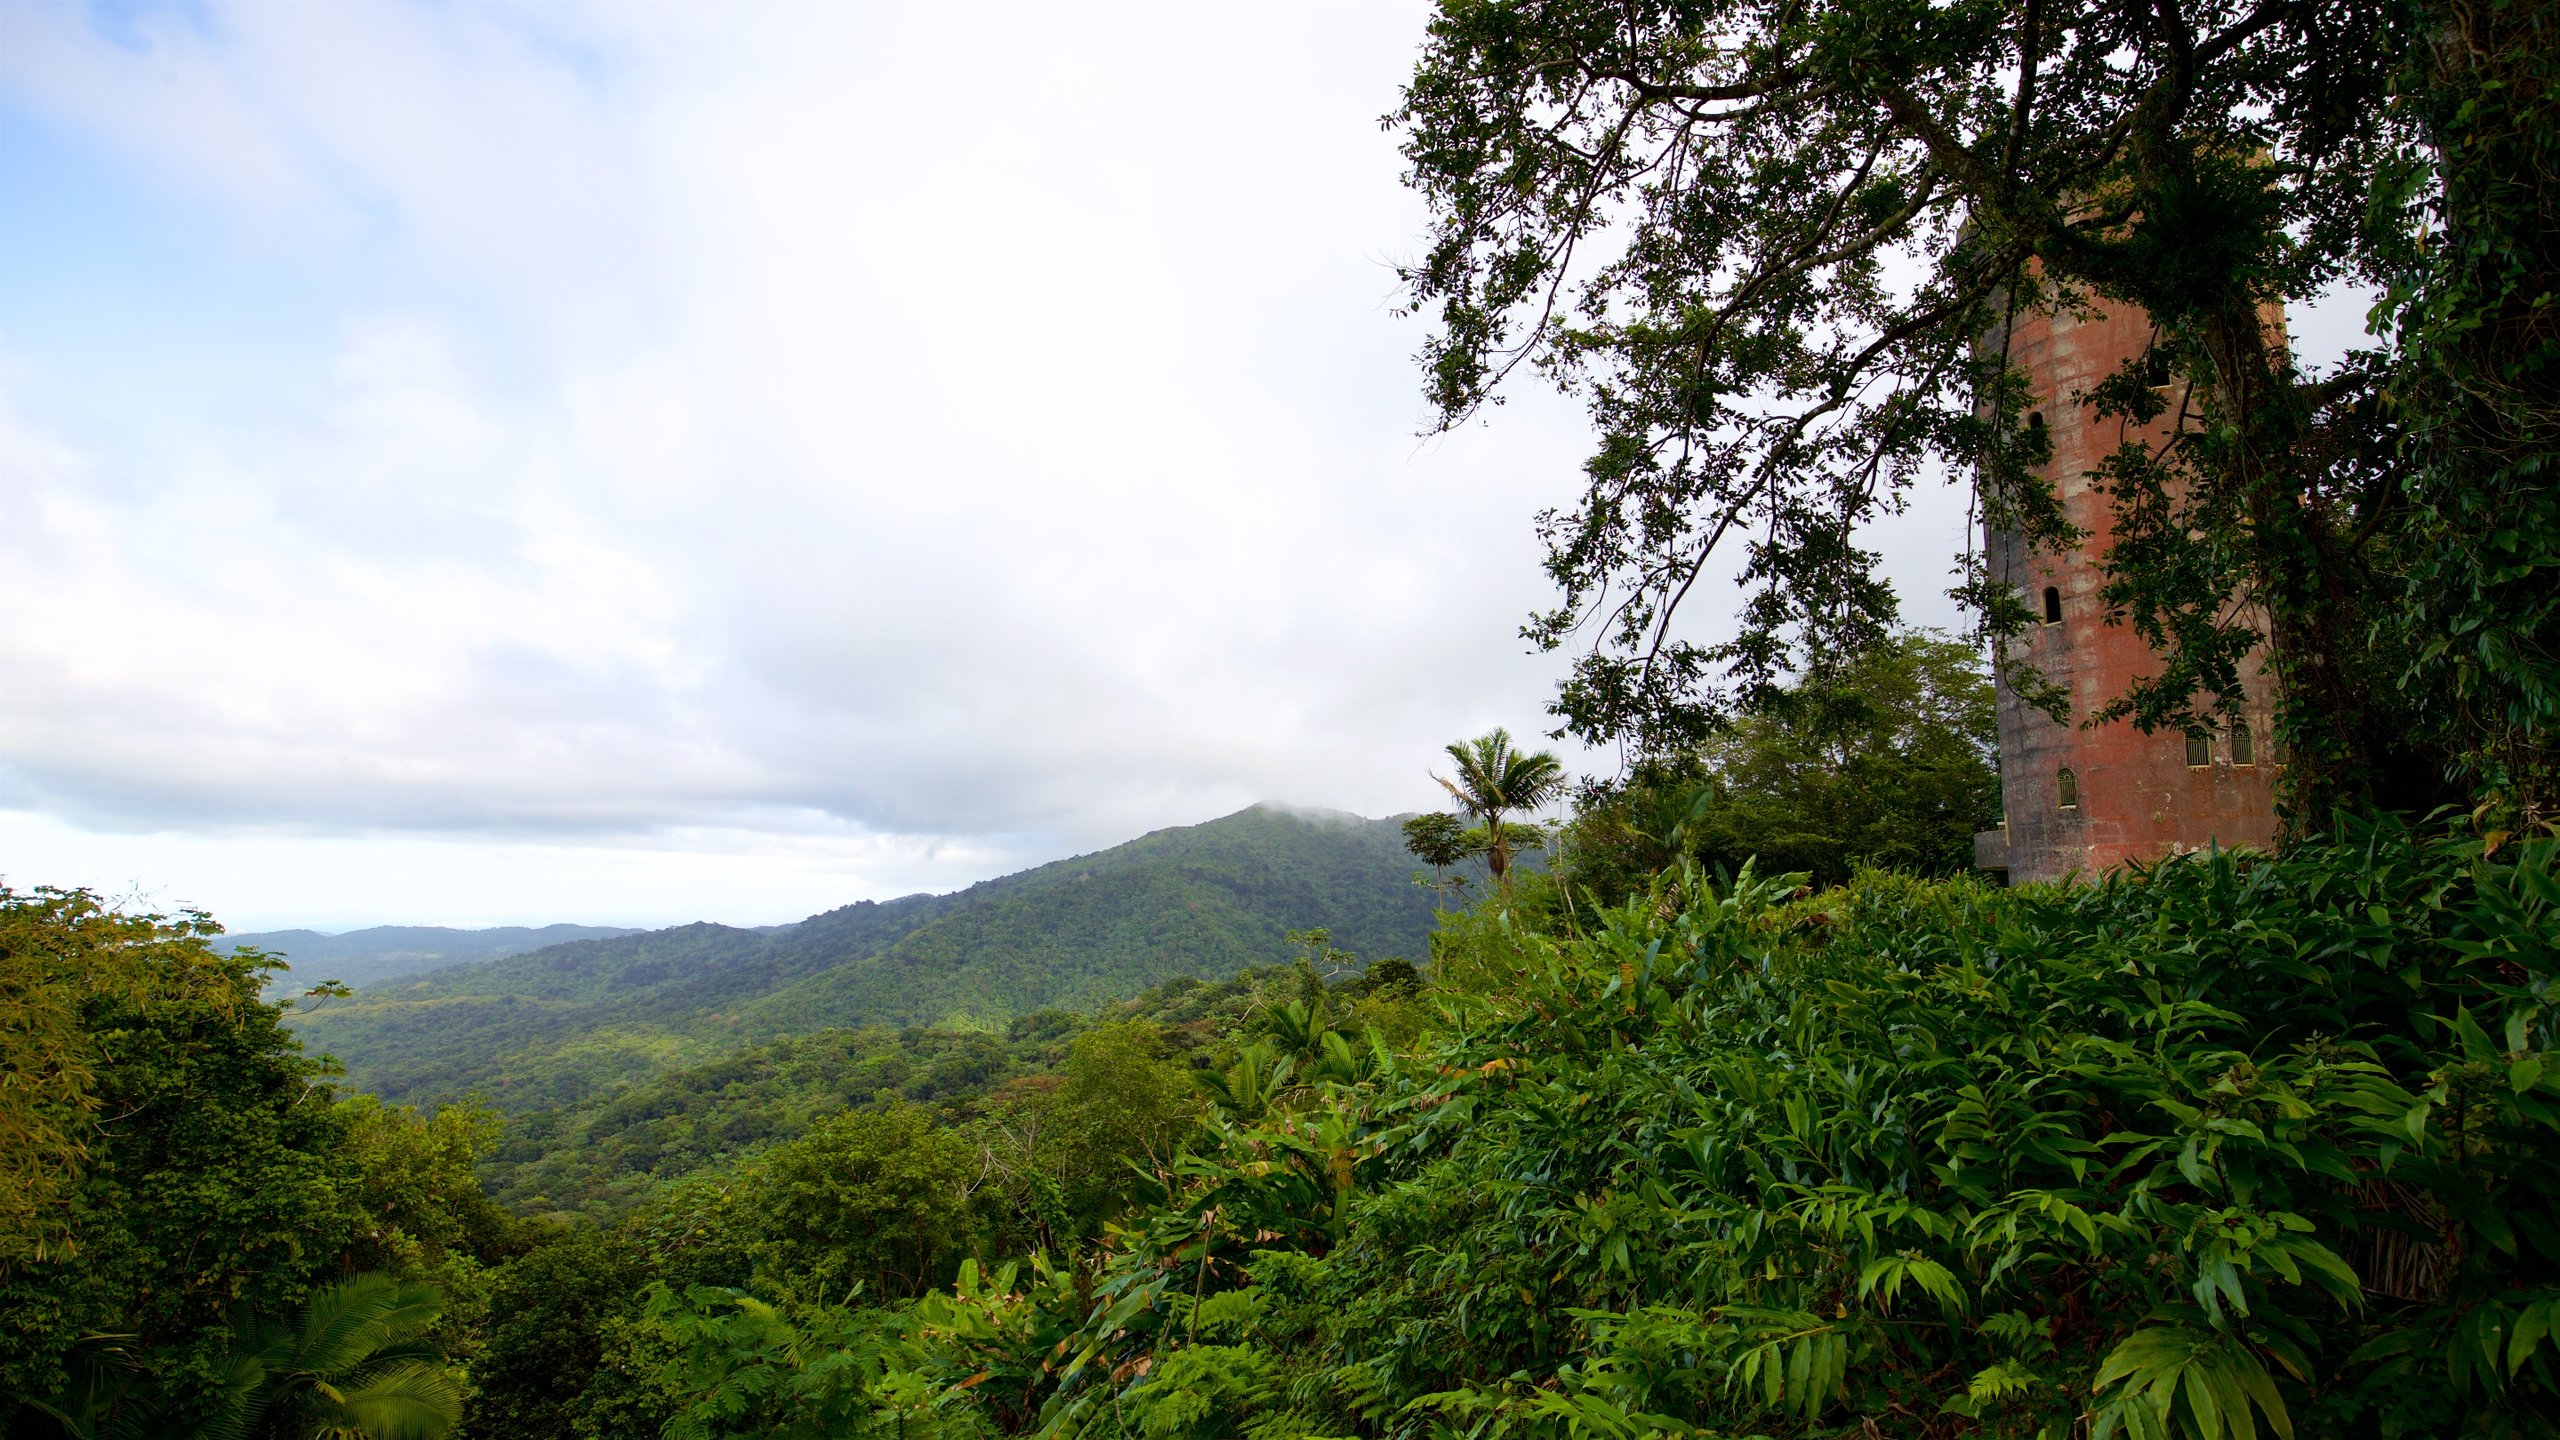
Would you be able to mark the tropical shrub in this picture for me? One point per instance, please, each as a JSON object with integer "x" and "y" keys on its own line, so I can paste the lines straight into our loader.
{"x": 2229, "y": 1143}
{"x": 746, "y": 1368}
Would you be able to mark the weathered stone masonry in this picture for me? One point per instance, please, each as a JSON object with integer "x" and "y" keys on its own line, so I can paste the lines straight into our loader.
{"x": 2083, "y": 798}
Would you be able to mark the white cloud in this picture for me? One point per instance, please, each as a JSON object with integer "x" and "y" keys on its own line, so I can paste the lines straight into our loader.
{"x": 906, "y": 439}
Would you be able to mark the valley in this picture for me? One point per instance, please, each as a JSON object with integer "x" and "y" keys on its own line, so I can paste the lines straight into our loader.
{"x": 562, "y": 1025}
{"x": 380, "y": 953}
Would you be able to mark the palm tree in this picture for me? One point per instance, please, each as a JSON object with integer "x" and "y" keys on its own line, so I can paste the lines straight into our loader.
{"x": 1492, "y": 780}
{"x": 354, "y": 1365}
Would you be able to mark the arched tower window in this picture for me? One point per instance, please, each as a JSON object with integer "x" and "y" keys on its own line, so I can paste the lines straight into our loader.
{"x": 2067, "y": 788}
{"x": 2244, "y": 750}
{"x": 2052, "y": 605}
{"x": 2199, "y": 750}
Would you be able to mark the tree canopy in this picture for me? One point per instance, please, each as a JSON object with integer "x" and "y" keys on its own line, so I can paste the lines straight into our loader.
{"x": 1887, "y": 762}
{"x": 1775, "y": 245}
{"x": 1438, "y": 841}
{"x": 199, "y": 1183}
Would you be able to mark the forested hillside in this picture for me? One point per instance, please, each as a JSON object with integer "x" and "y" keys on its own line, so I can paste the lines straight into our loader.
{"x": 387, "y": 952}
{"x": 553, "y": 1027}
{"x": 605, "y": 1156}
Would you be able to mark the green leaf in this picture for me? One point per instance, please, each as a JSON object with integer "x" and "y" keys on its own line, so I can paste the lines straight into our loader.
{"x": 2220, "y": 1383}
{"x": 2531, "y": 1327}
{"x": 2476, "y": 1046}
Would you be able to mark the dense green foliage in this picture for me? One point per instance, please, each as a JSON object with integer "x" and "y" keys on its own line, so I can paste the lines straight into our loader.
{"x": 603, "y": 1155}
{"x": 354, "y": 1363}
{"x": 2233, "y": 1144}
{"x": 199, "y": 1179}
{"x": 355, "y": 1360}
{"x": 2477, "y": 313}
{"x": 2230, "y": 1144}
{"x": 556, "y": 1313}
{"x": 557, "y": 1027}
{"x": 1885, "y": 763}
{"x": 884, "y": 1197}
{"x": 1943, "y": 1153}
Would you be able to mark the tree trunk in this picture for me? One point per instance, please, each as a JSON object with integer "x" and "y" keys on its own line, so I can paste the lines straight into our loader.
{"x": 2342, "y": 746}
{"x": 2319, "y": 711}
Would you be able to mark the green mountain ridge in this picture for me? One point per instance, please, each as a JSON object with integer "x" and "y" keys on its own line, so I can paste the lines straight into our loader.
{"x": 388, "y": 952}
{"x": 559, "y": 1025}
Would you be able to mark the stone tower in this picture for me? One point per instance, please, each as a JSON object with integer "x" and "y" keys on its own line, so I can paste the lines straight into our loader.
{"x": 2082, "y": 798}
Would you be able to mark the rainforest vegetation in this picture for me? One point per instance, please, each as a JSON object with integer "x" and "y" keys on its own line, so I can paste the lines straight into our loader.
{"x": 557, "y": 1026}
{"x": 1731, "y": 1105}
{"x": 2238, "y": 1142}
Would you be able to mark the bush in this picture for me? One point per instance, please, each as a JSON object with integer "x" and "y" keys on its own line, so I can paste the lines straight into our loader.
{"x": 2231, "y": 1142}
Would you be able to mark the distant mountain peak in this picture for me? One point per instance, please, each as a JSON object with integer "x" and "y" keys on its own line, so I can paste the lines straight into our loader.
{"x": 1316, "y": 814}
{"x": 382, "y": 952}
{"x": 1203, "y": 900}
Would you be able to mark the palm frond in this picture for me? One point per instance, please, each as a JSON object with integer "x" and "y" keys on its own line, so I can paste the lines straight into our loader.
{"x": 345, "y": 1324}
{"x": 410, "y": 1401}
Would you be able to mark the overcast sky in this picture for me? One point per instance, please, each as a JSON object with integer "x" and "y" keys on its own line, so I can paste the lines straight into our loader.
{"x": 643, "y": 463}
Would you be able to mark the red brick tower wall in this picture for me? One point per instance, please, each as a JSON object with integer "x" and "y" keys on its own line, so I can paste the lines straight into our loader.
{"x": 2138, "y": 796}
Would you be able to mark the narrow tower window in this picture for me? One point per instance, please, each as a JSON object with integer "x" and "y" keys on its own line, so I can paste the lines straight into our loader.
{"x": 2067, "y": 787}
{"x": 2052, "y": 605}
{"x": 2244, "y": 751}
{"x": 2199, "y": 750}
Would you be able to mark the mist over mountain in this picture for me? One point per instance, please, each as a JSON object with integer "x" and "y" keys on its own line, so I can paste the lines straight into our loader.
{"x": 555, "y": 1025}
{"x": 386, "y": 952}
